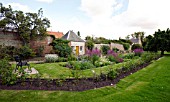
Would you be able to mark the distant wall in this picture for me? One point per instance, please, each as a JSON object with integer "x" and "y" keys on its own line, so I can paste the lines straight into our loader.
{"x": 10, "y": 39}
{"x": 118, "y": 46}
{"x": 98, "y": 46}
{"x": 35, "y": 44}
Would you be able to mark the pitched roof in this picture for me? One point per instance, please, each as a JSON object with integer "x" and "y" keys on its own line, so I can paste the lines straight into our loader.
{"x": 71, "y": 36}
{"x": 134, "y": 40}
{"x": 56, "y": 34}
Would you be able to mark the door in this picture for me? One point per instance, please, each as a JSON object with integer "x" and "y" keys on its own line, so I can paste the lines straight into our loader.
{"x": 77, "y": 50}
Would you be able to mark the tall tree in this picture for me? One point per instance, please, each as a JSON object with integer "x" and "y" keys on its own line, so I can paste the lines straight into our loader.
{"x": 160, "y": 41}
{"x": 78, "y": 33}
{"x": 27, "y": 25}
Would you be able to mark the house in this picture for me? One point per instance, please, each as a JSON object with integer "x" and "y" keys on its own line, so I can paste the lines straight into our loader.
{"x": 56, "y": 34}
{"x": 76, "y": 43}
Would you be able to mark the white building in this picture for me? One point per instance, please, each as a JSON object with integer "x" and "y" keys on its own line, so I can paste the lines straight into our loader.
{"x": 77, "y": 44}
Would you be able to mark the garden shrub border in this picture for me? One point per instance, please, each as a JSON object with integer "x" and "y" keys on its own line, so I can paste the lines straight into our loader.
{"x": 80, "y": 84}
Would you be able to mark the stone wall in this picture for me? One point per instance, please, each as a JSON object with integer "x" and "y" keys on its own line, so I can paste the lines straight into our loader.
{"x": 118, "y": 46}
{"x": 10, "y": 39}
{"x": 44, "y": 42}
{"x": 98, "y": 46}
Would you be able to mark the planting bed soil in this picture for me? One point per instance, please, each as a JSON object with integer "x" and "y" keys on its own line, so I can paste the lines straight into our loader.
{"x": 67, "y": 84}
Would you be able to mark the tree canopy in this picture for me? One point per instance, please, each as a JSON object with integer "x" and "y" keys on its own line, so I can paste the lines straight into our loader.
{"x": 27, "y": 25}
{"x": 160, "y": 41}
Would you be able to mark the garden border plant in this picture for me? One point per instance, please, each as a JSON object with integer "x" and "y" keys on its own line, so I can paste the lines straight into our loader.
{"x": 112, "y": 76}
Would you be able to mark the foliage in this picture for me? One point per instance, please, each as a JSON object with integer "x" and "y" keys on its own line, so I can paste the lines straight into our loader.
{"x": 79, "y": 65}
{"x": 102, "y": 62}
{"x": 148, "y": 85}
{"x": 104, "y": 49}
{"x": 40, "y": 51}
{"x": 26, "y": 52}
{"x": 138, "y": 51}
{"x": 136, "y": 46}
{"x": 112, "y": 74}
{"x": 129, "y": 56}
{"x": 72, "y": 58}
{"x": 6, "y": 72}
{"x": 93, "y": 55}
{"x": 78, "y": 33}
{"x": 115, "y": 50}
{"x": 61, "y": 47}
{"x": 160, "y": 41}
{"x": 28, "y": 25}
{"x": 8, "y": 51}
{"x": 49, "y": 58}
{"x": 89, "y": 44}
{"x": 113, "y": 57}
{"x": 126, "y": 46}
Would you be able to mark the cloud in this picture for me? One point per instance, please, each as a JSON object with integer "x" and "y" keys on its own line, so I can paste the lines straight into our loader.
{"x": 141, "y": 15}
{"x": 18, "y": 6}
{"x": 45, "y": 1}
{"x": 96, "y": 9}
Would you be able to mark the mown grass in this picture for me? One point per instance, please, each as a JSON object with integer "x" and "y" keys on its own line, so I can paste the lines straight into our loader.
{"x": 55, "y": 70}
{"x": 150, "y": 84}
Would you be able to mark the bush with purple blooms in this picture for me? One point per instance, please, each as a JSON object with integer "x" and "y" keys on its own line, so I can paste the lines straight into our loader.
{"x": 113, "y": 57}
{"x": 93, "y": 55}
{"x": 138, "y": 51}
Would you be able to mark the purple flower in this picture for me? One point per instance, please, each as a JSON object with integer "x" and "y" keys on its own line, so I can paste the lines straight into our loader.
{"x": 111, "y": 52}
{"x": 139, "y": 50}
{"x": 93, "y": 52}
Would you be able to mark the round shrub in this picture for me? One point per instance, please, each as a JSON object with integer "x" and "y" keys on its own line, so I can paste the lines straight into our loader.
{"x": 126, "y": 46}
{"x": 136, "y": 46}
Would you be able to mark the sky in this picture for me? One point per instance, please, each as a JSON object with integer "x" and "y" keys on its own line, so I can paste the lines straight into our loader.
{"x": 100, "y": 18}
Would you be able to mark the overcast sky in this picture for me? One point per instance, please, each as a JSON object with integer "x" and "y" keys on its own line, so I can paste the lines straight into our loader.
{"x": 101, "y": 18}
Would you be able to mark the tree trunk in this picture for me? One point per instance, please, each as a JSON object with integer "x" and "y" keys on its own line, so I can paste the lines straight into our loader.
{"x": 162, "y": 52}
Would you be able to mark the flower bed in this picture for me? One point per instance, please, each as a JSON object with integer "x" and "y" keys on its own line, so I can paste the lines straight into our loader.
{"x": 110, "y": 78}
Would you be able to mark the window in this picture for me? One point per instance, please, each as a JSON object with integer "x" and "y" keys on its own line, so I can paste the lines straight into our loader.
{"x": 72, "y": 47}
{"x": 81, "y": 48}
{"x": 48, "y": 40}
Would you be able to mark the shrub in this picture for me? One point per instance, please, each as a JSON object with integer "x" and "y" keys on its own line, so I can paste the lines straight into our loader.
{"x": 126, "y": 46}
{"x": 72, "y": 58}
{"x": 104, "y": 49}
{"x": 86, "y": 65}
{"x": 6, "y": 72}
{"x": 138, "y": 51}
{"x": 93, "y": 55}
{"x": 8, "y": 51}
{"x": 129, "y": 56}
{"x": 26, "y": 52}
{"x": 136, "y": 46}
{"x": 61, "y": 47}
{"x": 113, "y": 57}
{"x": 102, "y": 62}
{"x": 40, "y": 51}
{"x": 79, "y": 65}
{"x": 115, "y": 49}
{"x": 51, "y": 58}
{"x": 111, "y": 74}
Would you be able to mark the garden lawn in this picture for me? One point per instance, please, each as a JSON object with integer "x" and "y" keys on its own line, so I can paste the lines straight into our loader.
{"x": 150, "y": 84}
